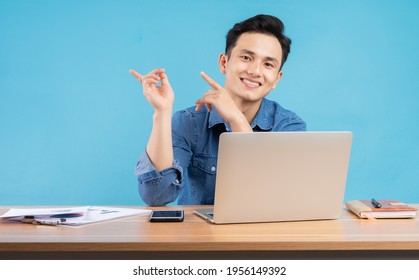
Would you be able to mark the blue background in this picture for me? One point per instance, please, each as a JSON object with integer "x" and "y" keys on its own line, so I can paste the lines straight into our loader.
{"x": 73, "y": 121}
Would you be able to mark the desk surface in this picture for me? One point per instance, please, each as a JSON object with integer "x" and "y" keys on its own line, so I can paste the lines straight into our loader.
{"x": 136, "y": 235}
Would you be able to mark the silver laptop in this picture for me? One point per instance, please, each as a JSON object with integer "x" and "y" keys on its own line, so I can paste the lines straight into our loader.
{"x": 280, "y": 176}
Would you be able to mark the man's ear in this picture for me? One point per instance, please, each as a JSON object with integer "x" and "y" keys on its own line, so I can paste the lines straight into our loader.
{"x": 222, "y": 63}
{"x": 278, "y": 77}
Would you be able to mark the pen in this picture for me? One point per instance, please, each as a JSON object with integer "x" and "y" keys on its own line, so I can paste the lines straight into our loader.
{"x": 27, "y": 220}
{"x": 46, "y": 222}
{"x": 376, "y": 203}
{"x": 32, "y": 220}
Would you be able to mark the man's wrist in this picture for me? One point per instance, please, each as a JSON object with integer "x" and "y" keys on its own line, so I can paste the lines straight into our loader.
{"x": 240, "y": 124}
{"x": 162, "y": 115}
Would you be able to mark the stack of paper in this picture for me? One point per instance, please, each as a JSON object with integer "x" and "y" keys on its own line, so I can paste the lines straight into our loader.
{"x": 70, "y": 216}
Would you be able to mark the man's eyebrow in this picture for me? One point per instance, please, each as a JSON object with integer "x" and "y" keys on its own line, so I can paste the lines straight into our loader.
{"x": 254, "y": 54}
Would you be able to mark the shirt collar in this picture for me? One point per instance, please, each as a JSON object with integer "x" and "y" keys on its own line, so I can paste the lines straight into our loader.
{"x": 264, "y": 118}
{"x": 215, "y": 118}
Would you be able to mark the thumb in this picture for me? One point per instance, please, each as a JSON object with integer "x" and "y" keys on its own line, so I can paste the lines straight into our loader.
{"x": 164, "y": 79}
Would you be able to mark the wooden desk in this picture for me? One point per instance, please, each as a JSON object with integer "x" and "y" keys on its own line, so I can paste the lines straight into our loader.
{"x": 136, "y": 238}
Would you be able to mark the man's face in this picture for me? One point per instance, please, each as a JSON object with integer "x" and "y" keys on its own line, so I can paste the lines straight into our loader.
{"x": 252, "y": 69}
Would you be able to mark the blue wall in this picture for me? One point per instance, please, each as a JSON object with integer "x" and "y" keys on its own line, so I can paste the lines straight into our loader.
{"x": 73, "y": 121}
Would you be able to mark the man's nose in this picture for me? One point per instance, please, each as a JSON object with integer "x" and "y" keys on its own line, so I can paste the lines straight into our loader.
{"x": 255, "y": 68}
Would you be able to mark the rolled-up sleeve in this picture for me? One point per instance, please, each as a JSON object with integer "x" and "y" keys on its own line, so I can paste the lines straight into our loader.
{"x": 158, "y": 188}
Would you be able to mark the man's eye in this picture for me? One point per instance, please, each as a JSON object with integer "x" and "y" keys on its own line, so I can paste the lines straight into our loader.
{"x": 245, "y": 57}
{"x": 270, "y": 65}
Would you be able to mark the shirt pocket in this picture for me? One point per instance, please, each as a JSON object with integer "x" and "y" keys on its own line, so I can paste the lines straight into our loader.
{"x": 206, "y": 163}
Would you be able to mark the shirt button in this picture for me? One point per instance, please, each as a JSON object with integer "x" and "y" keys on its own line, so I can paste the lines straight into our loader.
{"x": 213, "y": 169}
{"x": 177, "y": 181}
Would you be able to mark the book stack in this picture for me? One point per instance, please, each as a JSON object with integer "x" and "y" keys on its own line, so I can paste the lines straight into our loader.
{"x": 389, "y": 209}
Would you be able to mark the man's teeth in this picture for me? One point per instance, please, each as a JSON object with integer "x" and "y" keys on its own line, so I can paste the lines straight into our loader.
{"x": 250, "y": 83}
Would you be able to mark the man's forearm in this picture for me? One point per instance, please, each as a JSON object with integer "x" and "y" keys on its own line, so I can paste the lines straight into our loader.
{"x": 159, "y": 147}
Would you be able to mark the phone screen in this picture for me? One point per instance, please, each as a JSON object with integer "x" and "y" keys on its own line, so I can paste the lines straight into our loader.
{"x": 166, "y": 216}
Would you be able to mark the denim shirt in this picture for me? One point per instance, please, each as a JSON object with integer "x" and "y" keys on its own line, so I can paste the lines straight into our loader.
{"x": 195, "y": 136}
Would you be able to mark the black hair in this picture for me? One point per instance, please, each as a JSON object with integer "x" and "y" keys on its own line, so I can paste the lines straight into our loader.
{"x": 264, "y": 24}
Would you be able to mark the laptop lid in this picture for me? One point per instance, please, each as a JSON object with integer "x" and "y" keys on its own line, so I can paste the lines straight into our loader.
{"x": 281, "y": 176}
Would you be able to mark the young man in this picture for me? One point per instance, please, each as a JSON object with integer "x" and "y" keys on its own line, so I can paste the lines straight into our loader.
{"x": 180, "y": 160}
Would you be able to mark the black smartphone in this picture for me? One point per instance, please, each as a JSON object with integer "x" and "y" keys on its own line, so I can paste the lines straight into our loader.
{"x": 166, "y": 216}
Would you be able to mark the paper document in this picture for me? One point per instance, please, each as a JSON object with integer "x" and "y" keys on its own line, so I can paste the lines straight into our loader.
{"x": 71, "y": 215}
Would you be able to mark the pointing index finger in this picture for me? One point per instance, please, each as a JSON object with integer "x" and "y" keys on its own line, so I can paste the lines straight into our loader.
{"x": 210, "y": 81}
{"x": 136, "y": 75}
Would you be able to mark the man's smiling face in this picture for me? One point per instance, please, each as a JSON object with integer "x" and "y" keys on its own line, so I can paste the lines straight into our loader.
{"x": 253, "y": 67}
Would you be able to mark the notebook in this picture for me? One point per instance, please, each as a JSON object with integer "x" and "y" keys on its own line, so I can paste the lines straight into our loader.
{"x": 280, "y": 176}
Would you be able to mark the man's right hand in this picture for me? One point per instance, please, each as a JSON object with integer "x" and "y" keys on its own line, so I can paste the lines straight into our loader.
{"x": 160, "y": 97}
